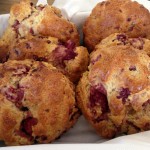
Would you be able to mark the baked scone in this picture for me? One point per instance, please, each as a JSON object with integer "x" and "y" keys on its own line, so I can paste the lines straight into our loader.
{"x": 122, "y": 39}
{"x": 27, "y": 19}
{"x": 37, "y": 103}
{"x": 116, "y": 16}
{"x": 65, "y": 56}
{"x": 114, "y": 95}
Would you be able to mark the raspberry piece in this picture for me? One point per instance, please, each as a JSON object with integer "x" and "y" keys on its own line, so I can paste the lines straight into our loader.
{"x": 132, "y": 68}
{"x": 22, "y": 69}
{"x": 36, "y": 58}
{"x": 15, "y": 26}
{"x": 122, "y": 38}
{"x": 93, "y": 61}
{"x": 98, "y": 98}
{"x": 137, "y": 43}
{"x": 123, "y": 94}
{"x": 64, "y": 51}
{"x": 14, "y": 95}
{"x": 70, "y": 54}
{"x": 26, "y": 125}
{"x": 32, "y": 31}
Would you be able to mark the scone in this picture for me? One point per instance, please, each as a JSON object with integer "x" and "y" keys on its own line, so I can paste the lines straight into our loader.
{"x": 114, "y": 95}
{"x": 72, "y": 61}
{"x": 116, "y": 39}
{"x": 37, "y": 103}
{"x": 27, "y": 19}
{"x": 115, "y": 16}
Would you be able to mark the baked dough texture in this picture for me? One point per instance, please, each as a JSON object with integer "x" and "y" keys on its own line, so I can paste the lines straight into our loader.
{"x": 117, "y": 39}
{"x": 114, "y": 95}
{"x": 115, "y": 16}
{"x": 70, "y": 59}
{"x": 45, "y": 20}
{"x": 37, "y": 103}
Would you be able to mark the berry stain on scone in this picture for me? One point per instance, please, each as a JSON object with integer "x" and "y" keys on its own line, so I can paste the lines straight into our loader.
{"x": 117, "y": 39}
{"x": 32, "y": 110}
{"x": 45, "y": 20}
{"x": 64, "y": 51}
{"x": 65, "y": 56}
{"x": 114, "y": 94}
{"x": 115, "y": 16}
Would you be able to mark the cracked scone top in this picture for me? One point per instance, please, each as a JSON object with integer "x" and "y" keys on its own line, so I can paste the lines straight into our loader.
{"x": 65, "y": 56}
{"x": 114, "y": 95}
{"x": 37, "y": 103}
{"x": 46, "y": 20}
{"x": 115, "y": 16}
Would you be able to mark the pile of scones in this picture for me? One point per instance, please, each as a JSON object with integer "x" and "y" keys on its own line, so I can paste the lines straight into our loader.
{"x": 47, "y": 80}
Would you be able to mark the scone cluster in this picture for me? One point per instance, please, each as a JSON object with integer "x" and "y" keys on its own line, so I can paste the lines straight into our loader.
{"x": 116, "y": 16}
{"x": 47, "y": 79}
{"x": 41, "y": 33}
{"x": 41, "y": 61}
{"x": 114, "y": 94}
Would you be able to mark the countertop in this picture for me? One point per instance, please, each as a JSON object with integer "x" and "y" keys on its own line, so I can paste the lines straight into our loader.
{"x": 6, "y": 4}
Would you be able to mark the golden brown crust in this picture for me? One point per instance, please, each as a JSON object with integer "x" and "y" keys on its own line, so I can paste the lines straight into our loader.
{"x": 58, "y": 27}
{"x": 20, "y": 11}
{"x": 42, "y": 20}
{"x": 79, "y": 65}
{"x": 71, "y": 60}
{"x": 115, "y": 94}
{"x": 37, "y": 103}
{"x": 115, "y": 16}
{"x": 27, "y": 19}
{"x": 83, "y": 95}
{"x": 116, "y": 39}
